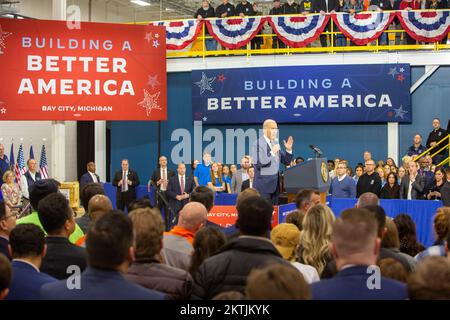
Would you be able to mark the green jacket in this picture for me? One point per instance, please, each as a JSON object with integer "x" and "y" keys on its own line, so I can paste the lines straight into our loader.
{"x": 34, "y": 219}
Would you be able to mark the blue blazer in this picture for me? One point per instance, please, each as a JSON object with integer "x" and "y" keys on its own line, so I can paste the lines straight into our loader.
{"x": 98, "y": 284}
{"x": 351, "y": 284}
{"x": 174, "y": 189}
{"x": 267, "y": 167}
{"x": 86, "y": 178}
{"x": 26, "y": 282}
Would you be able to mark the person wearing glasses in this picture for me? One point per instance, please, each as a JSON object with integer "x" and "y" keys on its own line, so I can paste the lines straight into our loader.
{"x": 7, "y": 223}
{"x": 11, "y": 190}
{"x": 370, "y": 181}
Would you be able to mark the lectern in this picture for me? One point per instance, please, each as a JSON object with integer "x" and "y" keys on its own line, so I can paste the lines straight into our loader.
{"x": 311, "y": 174}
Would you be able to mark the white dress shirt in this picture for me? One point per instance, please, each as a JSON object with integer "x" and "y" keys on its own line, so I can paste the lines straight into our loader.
{"x": 184, "y": 182}
{"x": 94, "y": 177}
{"x": 24, "y": 184}
{"x": 163, "y": 171}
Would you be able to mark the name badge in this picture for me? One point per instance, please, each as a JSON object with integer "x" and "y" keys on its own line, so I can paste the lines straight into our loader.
{"x": 439, "y": 134}
{"x": 371, "y": 182}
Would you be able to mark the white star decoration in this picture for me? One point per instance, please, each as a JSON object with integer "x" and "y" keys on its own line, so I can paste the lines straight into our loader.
{"x": 205, "y": 118}
{"x": 150, "y": 102}
{"x": 205, "y": 83}
{"x": 148, "y": 36}
{"x": 402, "y": 69}
{"x": 400, "y": 113}
{"x": 393, "y": 72}
{"x": 155, "y": 43}
{"x": 153, "y": 81}
{"x": 3, "y": 36}
{"x": 156, "y": 35}
{"x": 3, "y": 110}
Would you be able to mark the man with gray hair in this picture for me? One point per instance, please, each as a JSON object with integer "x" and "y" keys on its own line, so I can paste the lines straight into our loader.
{"x": 177, "y": 243}
{"x": 240, "y": 175}
{"x": 367, "y": 199}
{"x": 355, "y": 246}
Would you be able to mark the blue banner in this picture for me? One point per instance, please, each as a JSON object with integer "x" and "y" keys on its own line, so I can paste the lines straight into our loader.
{"x": 313, "y": 94}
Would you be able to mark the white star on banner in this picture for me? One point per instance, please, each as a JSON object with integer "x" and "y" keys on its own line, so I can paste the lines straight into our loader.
{"x": 148, "y": 36}
{"x": 205, "y": 83}
{"x": 393, "y": 72}
{"x": 155, "y": 43}
{"x": 205, "y": 118}
{"x": 400, "y": 113}
{"x": 153, "y": 81}
{"x": 402, "y": 69}
{"x": 150, "y": 102}
{"x": 3, "y": 110}
{"x": 3, "y": 36}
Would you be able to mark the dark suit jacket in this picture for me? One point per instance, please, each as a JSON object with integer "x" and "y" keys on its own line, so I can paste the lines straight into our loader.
{"x": 157, "y": 175}
{"x": 351, "y": 284}
{"x": 4, "y": 247}
{"x": 267, "y": 167}
{"x": 445, "y": 194}
{"x": 99, "y": 284}
{"x": 86, "y": 178}
{"x": 418, "y": 188}
{"x": 320, "y": 5}
{"x": 174, "y": 189}
{"x": 246, "y": 184}
{"x": 132, "y": 177}
{"x": 60, "y": 255}
{"x": 26, "y": 282}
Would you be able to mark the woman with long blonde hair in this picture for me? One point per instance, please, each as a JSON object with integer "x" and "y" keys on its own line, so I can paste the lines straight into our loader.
{"x": 316, "y": 237}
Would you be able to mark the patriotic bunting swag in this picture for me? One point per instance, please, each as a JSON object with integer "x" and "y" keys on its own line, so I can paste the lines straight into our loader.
{"x": 363, "y": 28}
{"x": 180, "y": 34}
{"x": 298, "y": 31}
{"x": 235, "y": 32}
{"x": 426, "y": 26}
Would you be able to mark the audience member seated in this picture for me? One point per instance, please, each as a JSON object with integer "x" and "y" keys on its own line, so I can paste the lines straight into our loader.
{"x": 147, "y": 269}
{"x": 431, "y": 281}
{"x": 5, "y": 276}
{"x": 296, "y": 218}
{"x": 57, "y": 220}
{"x": 110, "y": 251}
{"x": 417, "y": 147}
{"x": 370, "y": 181}
{"x": 39, "y": 191}
{"x": 342, "y": 186}
{"x": 89, "y": 190}
{"x": 406, "y": 229}
{"x": 141, "y": 203}
{"x": 441, "y": 225}
{"x": 7, "y": 223}
{"x": 277, "y": 282}
{"x": 229, "y": 295}
{"x": 28, "y": 247}
{"x": 391, "y": 242}
{"x": 355, "y": 246}
{"x": 306, "y": 199}
{"x": 392, "y": 269}
{"x": 98, "y": 206}
{"x": 315, "y": 237}
{"x": 228, "y": 270}
{"x": 391, "y": 190}
{"x": 413, "y": 185}
{"x": 177, "y": 243}
{"x": 207, "y": 242}
{"x": 286, "y": 238}
{"x": 367, "y": 199}
{"x": 434, "y": 192}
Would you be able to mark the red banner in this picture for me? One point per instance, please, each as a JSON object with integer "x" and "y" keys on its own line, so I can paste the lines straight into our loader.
{"x": 99, "y": 71}
{"x": 226, "y": 216}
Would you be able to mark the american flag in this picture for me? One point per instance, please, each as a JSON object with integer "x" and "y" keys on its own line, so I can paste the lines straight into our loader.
{"x": 11, "y": 158}
{"x": 20, "y": 168}
{"x": 43, "y": 167}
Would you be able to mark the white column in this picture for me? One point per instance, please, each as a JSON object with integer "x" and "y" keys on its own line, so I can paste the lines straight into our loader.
{"x": 58, "y": 139}
{"x": 100, "y": 148}
{"x": 392, "y": 140}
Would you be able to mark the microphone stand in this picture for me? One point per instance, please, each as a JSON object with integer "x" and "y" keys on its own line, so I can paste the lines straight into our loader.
{"x": 164, "y": 201}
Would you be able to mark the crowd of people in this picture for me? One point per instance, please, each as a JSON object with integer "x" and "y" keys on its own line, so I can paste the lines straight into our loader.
{"x": 362, "y": 254}
{"x": 246, "y": 8}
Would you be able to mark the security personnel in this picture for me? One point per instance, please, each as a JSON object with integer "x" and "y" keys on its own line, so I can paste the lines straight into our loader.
{"x": 290, "y": 7}
{"x": 245, "y": 9}
{"x": 225, "y": 10}
{"x": 277, "y": 10}
{"x": 433, "y": 138}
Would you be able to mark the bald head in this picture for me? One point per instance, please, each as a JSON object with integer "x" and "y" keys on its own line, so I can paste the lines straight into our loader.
{"x": 368, "y": 199}
{"x": 98, "y": 206}
{"x": 193, "y": 216}
{"x": 270, "y": 129}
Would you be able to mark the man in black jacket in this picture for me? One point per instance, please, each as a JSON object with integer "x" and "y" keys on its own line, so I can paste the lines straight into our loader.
{"x": 228, "y": 269}
{"x": 276, "y": 11}
{"x": 370, "y": 181}
{"x": 290, "y": 7}
{"x": 207, "y": 11}
{"x": 433, "y": 138}
{"x": 325, "y": 6}
{"x": 245, "y": 9}
{"x": 126, "y": 182}
{"x": 225, "y": 10}
{"x": 57, "y": 220}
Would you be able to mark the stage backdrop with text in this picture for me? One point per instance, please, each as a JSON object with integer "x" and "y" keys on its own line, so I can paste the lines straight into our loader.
{"x": 314, "y": 94}
{"x": 99, "y": 71}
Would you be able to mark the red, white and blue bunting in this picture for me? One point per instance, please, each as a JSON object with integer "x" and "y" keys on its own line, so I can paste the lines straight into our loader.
{"x": 180, "y": 34}
{"x": 298, "y": 31}
{"x": 363, "y": 28}
{"x": 426, "y": 26}
{"x": 234, "y": 33}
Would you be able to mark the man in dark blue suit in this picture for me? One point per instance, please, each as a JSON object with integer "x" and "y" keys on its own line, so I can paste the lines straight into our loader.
{"x": 267, "y": 155}
{"x": 90, "y": 176}
{"x": 178, "y": 190}
{"x": 110, "y": 252}
{"x": 27, "y": 245}
{"x": 355, "y": 247}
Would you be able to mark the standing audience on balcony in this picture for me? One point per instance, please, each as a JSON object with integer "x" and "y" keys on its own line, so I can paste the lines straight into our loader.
{"x": 225, "y": 10}
{"x": 323, "y": 7}
{"x": 204, "y": 12}
{"x": 277, "y": 10}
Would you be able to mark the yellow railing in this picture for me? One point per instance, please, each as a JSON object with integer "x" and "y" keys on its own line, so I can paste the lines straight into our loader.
{"x": 198, "y": 48}
{"x": 445, "y": 146}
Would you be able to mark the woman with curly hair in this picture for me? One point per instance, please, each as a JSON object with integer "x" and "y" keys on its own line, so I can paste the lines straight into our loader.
{"x": 407, "y": 235}
{"x": 315, "y": 237}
